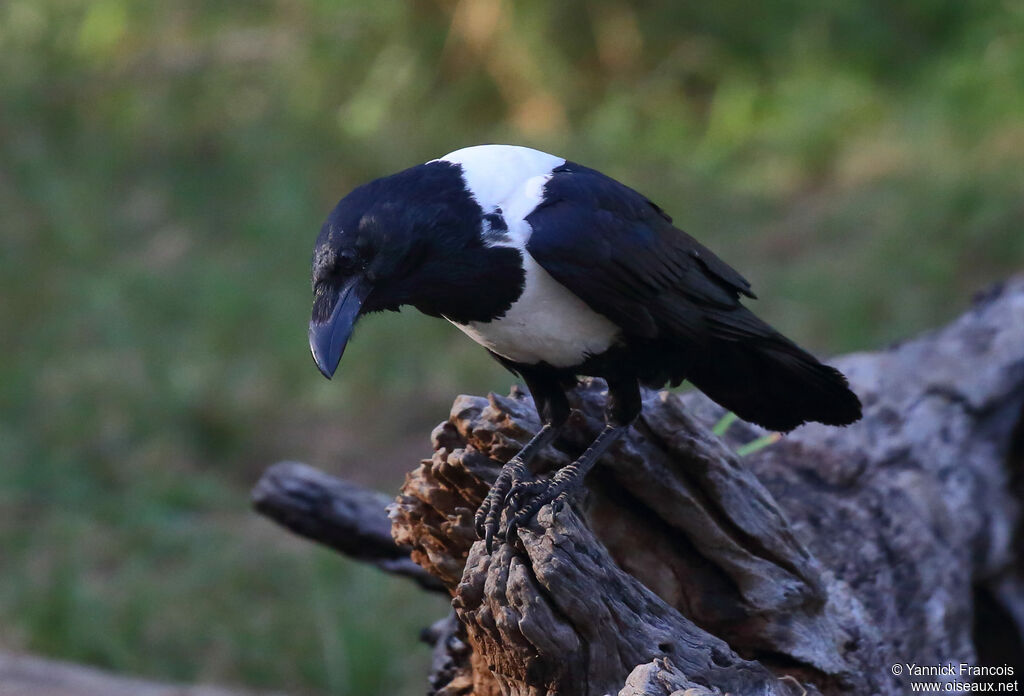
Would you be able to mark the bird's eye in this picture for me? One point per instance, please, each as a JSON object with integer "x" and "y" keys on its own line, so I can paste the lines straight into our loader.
{"x": 345, "y": 261}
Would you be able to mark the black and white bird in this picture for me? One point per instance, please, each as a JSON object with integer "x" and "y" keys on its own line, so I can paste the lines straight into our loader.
{"x": 559, "y": 271}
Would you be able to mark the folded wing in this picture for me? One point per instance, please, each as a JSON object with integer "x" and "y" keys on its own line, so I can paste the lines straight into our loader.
{"x": 622, "y": 255}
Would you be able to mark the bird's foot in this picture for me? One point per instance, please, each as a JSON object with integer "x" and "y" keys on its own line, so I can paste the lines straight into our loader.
{"x": 521, "y": 493}
{"x": 512, "y": 482}
{"x": 516, "y": 497}
{"x": 555, "y": 491}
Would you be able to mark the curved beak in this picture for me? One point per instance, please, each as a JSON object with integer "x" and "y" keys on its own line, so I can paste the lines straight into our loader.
{"x": 334, "y": 317}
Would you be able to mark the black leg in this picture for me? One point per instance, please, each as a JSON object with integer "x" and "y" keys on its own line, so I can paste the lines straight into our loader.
{"x": 514, "y": 480}
{"x": 568, "y": 478}
{"x": 488, "y": 516}
{"x": 622, "y": 408}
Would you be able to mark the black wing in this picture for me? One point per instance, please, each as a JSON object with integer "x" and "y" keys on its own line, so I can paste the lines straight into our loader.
{"x": 620, "y": 254}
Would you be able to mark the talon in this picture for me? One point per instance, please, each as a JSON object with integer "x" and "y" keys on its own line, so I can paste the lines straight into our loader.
{"x": 523, "y": 517}
{"x": 521, "y": 490}
{"x": 554, "y": 492}
{"x": 492, "y": 527}
{"x": 510, "y": 531}
{"x": 512, "y": 484}
{"x": 480, "y": 518}
{"x": 498, "y": 491}
{"x": 508, "y": 497}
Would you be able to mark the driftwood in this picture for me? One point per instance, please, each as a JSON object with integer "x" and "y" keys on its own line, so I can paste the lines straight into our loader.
{"x": 811, "y": 566}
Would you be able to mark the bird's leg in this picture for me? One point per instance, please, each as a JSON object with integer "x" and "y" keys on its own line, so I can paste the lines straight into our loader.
{"x": 514, "y": 479}
{"x": 567, "y": 479}
{"x": 513, "y": 475}
{"x": 622, "y": 408}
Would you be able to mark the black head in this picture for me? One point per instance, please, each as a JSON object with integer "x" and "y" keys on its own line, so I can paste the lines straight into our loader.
{"x": 381, "y": 247}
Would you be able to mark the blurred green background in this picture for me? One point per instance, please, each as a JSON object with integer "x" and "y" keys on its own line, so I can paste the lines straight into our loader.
{"x": 164, "y": 169}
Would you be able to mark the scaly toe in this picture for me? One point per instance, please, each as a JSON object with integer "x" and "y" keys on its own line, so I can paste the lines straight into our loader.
{"x": 482, "y": 514}
{"x": 521, "y": 492}
{"x": 492, "y": 528}
{"x": 519, "y": 520}
{"x": 495, "y": 497}
{"x": 522, "y": 517}
{"x": 480, "y": 519}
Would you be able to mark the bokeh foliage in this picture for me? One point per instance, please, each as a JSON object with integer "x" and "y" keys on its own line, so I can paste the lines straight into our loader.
{"x": 164, "y": 168}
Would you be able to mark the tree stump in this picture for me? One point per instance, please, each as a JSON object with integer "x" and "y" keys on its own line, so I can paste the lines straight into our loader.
{"x": 809, "y": 566}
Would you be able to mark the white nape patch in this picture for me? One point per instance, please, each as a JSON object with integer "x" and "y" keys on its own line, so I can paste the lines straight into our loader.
{"x": 547, "y": 322}
{"x": 495, "y": 174}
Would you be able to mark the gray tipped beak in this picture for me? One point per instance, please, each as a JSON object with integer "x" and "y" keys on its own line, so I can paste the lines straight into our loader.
{"x": 329, "y": 334}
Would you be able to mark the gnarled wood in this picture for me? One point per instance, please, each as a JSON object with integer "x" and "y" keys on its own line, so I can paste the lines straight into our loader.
{"x": 823, "y": 558}
{"x": 346, "y": 517}
{"x": 810, "y": 566}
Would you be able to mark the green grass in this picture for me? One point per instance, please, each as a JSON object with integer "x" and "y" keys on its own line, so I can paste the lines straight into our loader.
{"x": 210, "y": 596}
{"x": 164, "y": 169}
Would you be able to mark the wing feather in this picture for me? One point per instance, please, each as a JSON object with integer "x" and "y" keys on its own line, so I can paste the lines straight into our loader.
{"x": 622, "y": 256}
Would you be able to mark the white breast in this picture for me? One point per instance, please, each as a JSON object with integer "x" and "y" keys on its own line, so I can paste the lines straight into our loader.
{"x": 547, "y": 323}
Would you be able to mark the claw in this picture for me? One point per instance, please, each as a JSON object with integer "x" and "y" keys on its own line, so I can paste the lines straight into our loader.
{"x": 491, "y": 526}
{"x": 514, "y": 484}
{"x": 521, "y": 490}
{"x": 513, "y": 501}
{"x": 479, "y": 518}
{"x": 508, "y": 495}
{"x": 485, "y": 514}
{"x": 554, "y": 492}
{"x": 509, "y": 534}
{"x": 504, "y": 496}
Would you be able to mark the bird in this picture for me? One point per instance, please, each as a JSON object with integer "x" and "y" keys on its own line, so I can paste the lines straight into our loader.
{"x": 559, "y": 271}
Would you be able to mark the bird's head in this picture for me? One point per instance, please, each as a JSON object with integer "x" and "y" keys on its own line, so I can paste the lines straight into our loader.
{"x": 342, "y": 281}
{"x": 364, "y": 248}
{"x": 382, "y": 247}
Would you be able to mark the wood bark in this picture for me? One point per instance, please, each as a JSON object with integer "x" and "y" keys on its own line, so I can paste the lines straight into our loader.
{"x": 809, "y": 566}
{"x": 344, "y": 516}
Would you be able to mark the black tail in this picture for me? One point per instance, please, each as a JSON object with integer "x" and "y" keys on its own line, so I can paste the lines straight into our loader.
{"x": 763, "y": 377}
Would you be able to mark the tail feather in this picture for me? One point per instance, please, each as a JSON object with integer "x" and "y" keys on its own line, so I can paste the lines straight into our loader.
{"x": 763, "y": 377}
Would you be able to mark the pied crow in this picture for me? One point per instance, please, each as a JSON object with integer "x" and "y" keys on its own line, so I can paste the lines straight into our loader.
{"x": 559, "y": 271}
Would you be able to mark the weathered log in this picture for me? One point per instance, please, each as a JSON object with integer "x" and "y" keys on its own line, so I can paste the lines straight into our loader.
{"x": 810, "y": 566}
{"x": 815, "y": 563}
{"x": 342, "y": 515}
